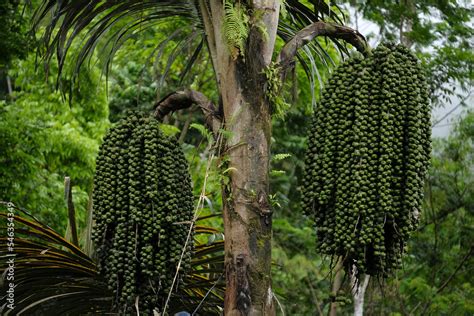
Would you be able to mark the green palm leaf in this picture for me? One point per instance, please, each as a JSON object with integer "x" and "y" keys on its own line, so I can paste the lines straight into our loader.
{"x": 51, "y": 274}
{"x": 298, "y": 16}
{"x": 54, "y": 277}
{"x": 103, "y": 25}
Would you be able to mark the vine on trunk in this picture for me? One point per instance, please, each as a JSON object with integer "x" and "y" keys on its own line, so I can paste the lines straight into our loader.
{"x": 236, "y": 27}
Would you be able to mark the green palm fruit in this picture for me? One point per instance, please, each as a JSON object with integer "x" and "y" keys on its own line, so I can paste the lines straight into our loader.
{"x": 367, "y": 157}
{"x": 141, "y": 179}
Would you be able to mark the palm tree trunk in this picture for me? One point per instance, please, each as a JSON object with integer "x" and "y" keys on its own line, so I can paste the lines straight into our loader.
{"x": 247, "y": 212}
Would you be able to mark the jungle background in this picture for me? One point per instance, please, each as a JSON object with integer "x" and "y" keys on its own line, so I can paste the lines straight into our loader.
{"x": 51, "y": 128}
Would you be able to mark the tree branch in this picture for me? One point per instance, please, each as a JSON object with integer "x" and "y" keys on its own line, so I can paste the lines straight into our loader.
{"x": 464, "y": 259}
{"x": 445, "y": 283}
{"x": 184, "y": 99}
{"x": 306, "y": 35}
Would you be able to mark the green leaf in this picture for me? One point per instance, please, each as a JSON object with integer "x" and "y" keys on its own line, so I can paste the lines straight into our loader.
{"x": 169, "y": 130}
{"x": 275, "y": 173}
{"x": 279, "y": 157}
{"x": 202, "y": 130}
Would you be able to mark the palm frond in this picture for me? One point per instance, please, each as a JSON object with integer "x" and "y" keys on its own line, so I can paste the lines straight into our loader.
{"x": 55, "y": 277}
{"x": 51, "y": 275}
{"x": 298, "y": 16}
{"x": 202, "y": 289}
{"x": 102, "y": 24}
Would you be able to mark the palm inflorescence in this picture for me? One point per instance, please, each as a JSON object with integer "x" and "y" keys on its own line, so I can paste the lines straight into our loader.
{"x": 143, "y": 209}
{"x": 368, "y": 152}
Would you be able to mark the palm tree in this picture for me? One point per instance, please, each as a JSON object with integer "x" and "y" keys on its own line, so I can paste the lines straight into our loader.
{"x": 240, "y": 37}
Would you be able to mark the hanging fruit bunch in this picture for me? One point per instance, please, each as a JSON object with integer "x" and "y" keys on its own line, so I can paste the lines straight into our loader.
{"x": 368, "y": 153}
{"x": 143, "y": 209}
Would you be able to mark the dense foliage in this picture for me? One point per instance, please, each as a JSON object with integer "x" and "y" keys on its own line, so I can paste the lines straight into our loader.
{"x": 13, "y": 34}
{"x": 44, "y": 139}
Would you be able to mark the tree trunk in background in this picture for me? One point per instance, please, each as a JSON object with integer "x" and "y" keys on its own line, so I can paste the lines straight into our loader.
{"x": 247, "y": 212}
{"x": 358, "y": 292}
{"x": 9, "y": 86}
{"x": 406, "y": 22}
{"x": 336, "y": 286}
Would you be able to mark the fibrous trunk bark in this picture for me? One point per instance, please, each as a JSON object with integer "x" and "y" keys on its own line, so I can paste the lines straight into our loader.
{"x": 246, "y": 114}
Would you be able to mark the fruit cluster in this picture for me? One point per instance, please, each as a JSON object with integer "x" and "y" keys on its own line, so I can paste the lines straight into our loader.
{"x": 143, "y": 208}
{"x": 368, "y": 152}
